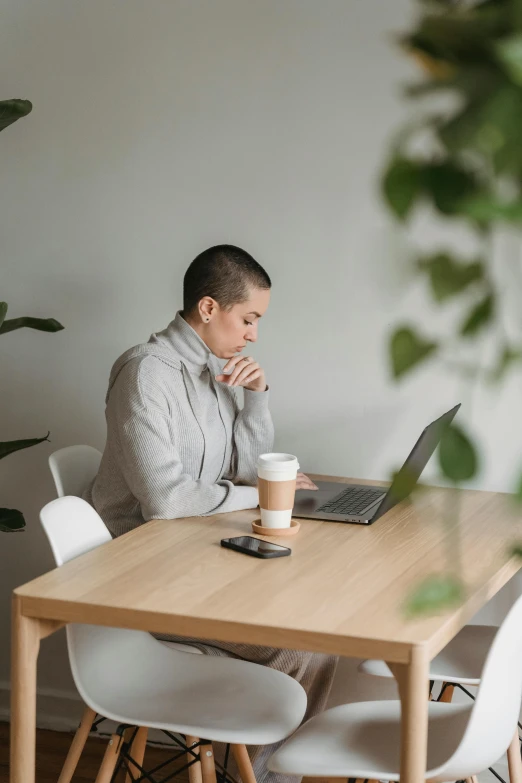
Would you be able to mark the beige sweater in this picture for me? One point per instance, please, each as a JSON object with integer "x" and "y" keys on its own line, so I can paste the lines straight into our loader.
{"x": 177, "y": 443}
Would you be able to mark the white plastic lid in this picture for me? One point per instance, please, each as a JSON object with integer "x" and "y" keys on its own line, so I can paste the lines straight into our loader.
{"x": 277, "y": 462}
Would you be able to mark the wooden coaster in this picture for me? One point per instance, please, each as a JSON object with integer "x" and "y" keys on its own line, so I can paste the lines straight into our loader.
{"x": 258, "y": 528}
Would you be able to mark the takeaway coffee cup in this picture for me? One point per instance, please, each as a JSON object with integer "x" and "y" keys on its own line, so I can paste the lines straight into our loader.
{"x": 277, "y": 475}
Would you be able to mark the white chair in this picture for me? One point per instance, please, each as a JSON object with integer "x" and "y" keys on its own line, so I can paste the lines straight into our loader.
{"x": 362, "y": 740}
{"x": 459, "y": 663}
{"x": 73, "y": 468}
{"x": 131, "y": 678}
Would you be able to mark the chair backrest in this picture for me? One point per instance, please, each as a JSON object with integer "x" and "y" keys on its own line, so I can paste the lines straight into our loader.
{"x": 494, "y": 716}
{"x": 73, "y": 468}
{"x": 73, "y": 527}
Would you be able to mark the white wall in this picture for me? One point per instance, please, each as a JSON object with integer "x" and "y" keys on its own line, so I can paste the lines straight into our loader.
{"x": 160, "y": 128}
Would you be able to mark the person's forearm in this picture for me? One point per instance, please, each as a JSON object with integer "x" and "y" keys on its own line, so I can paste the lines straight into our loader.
{"x": 155, "y": 475}
{"x": 253, "y": 435}
{"x": 238, "y": 499}
{"x": 199, "y": 501}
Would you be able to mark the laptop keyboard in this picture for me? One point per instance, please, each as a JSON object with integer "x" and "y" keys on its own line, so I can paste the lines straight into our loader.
{"x": 351, "y": 501}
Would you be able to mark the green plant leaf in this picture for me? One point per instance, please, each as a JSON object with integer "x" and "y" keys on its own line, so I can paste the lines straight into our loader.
{"x": 486, "y": 209}
{"x": 429, "y": 86}
{"x": 401, "y": 185}
{"x": 508, "y": 157}
{"x": 449, "y": 277}
{"x": 11, "y": 520}
{"x": 12, "y": 109}
{"x": 516, "y": 10}
{"x": 404, "y": 481}
{"x": 436, "y": 593}
{"x": 3, "y": 312}
{"x": 10, "y": 446}
{"x": 509, "y": 52}
{"x": 448, "y": 185}
{"x": 460, "y": 34}
{"x": 462, "y": 131}
{"x": 42, "y": 324}
{"x": 489, "y": 127}
{"x": 457, "y": 455}
{"x": 407, "y": 349}
{"x": 508, "y": 357}
{"x": 479, "y": 316}
{"x": 475, "y": 83}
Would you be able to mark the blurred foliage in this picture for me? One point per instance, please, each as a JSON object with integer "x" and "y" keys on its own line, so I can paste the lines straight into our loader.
{"x": 11, "y": 111}
{"x": 457, "y": 455}
{"x": 12, "y": 520}
{"x": 437, "y": 592}
{"x": 471, "y": 172}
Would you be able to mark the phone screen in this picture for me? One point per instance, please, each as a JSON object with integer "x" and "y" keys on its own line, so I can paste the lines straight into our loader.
{"x": 256, "y": 545}
{"x": 249, "y": 544}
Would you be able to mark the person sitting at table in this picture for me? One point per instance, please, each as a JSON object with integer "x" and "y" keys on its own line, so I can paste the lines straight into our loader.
{"x": 179, "y": 446}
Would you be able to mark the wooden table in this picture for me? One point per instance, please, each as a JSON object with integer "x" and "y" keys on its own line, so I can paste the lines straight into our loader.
{"x": 341, "y": 591}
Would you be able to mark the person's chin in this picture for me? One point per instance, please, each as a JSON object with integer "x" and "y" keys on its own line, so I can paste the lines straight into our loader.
{"x": 227, "y": 354}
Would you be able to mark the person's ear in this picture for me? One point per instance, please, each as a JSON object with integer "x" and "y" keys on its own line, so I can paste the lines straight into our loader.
{"x": 206, "y": 309}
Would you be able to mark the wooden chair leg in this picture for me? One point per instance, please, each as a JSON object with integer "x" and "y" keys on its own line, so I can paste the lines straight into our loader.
{"x": 110, "y": 758}
{"x": 244, "y": 764}
{"x": 448, "y": 693}
{"x": 194, "y": 771}
{"x": 77, "y": 746}
{"x": 514, "y": 760}
{"x": 208, "y": 767}
{"x": 127, "y": 739}
{"x": 137, "y": 751}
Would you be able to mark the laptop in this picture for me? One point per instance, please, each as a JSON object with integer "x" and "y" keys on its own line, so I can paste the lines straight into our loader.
{"x": 362, "y": 504}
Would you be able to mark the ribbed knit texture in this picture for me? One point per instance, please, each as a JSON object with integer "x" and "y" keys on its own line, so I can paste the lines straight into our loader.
{"x": 315, "y": 672}
{"x": 177, "y": 443}
{"x": 178, "y": 446}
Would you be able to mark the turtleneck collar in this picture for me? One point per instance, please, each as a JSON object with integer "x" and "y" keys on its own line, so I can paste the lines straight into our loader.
{"x": 186, "y": 342}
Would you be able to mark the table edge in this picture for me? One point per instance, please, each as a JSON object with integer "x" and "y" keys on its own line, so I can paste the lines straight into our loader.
{"x": 220, "y": 630}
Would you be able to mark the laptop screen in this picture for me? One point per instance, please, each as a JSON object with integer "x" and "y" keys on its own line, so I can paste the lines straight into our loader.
{"x": 407, "y": 477}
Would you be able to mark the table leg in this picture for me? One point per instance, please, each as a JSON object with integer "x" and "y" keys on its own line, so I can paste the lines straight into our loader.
{"x": 514, "y": 762}
{"x": 412, "y": 681}
{"x": 26, "y": 635}
{"x": 25, "y": 646}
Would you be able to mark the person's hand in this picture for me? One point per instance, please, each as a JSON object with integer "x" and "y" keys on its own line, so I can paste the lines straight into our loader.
{"x": 246, "y": 373}
{"x": 303, "y": 482}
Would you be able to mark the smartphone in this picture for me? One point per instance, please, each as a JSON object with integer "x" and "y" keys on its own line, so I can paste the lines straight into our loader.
{"x": 255, "y": 547}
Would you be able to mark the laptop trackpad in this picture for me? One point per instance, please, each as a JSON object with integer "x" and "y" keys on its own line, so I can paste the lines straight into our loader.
{"x": 311, "y": 499}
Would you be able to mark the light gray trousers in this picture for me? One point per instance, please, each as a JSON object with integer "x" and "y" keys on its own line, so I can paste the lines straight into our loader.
{"x": 314, "y": 671}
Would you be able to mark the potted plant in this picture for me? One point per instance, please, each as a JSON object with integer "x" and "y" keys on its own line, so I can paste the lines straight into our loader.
{"x": 11, "y": 519}
{"x": 461, "y": 158}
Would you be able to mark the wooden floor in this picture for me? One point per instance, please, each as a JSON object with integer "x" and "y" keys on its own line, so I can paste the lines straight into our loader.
{"x": 52, "y": 747}
{"x": 51, "y": 750}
